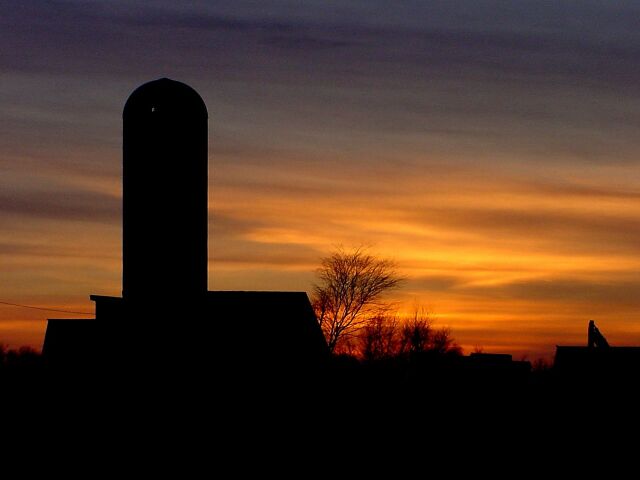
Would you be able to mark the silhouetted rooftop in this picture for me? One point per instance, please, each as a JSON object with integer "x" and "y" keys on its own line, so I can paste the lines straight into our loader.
{"x": 260, "y": 325}
{"x": 612, "y": 359}
{"x": 165, "y": 96}
{"x": 68, "y": 340}
{"x": 247, "y": 295}
{"x": 269, "y": 323}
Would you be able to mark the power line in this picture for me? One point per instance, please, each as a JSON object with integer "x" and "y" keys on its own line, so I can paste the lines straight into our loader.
{"x": 45, "y": 309}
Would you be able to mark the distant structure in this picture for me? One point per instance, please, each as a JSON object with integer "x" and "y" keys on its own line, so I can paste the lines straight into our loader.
{"x": 166, "y": 317}
{"x": 496, "y": 369}
{"x": 595, "y": 338}
{"x": 598, "y": 359}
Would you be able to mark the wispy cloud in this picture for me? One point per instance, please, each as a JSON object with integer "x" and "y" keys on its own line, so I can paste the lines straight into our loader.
{"x": 75, "y": 205}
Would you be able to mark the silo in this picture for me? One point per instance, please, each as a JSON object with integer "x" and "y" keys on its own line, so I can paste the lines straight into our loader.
{"x": 165, "y": 193}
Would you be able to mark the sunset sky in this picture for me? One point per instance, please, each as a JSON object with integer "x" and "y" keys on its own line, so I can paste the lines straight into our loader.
{"x": 489, "y": 147}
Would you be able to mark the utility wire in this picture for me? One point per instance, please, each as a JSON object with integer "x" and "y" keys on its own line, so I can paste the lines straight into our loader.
{"x": 45, "y": 309}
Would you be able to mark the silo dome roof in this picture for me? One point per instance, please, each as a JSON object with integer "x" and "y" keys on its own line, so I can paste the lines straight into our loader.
{"x": 165, "y": 96}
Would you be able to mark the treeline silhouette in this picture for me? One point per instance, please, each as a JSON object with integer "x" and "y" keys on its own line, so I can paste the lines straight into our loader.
{"x": 386, "y": 337}
{"x": 21, "y": 359}
{"x": 374, "y": 352}
{"x": 418, "y": 360}
{"x": 387, "y": 354}
{"x": 23, "y": 367}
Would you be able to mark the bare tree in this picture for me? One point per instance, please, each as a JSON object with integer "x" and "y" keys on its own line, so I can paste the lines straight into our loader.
{"x": 349, "y": 290}
{"x": 379, "y": 338}
{"x": 541, "y": 365}
{"x": 443, "y": 343}
{"x": 417, "y": 336}
{"x": 416, "y": 333}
